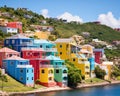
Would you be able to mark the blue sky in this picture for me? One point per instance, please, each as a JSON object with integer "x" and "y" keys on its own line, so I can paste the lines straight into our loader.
{"x": 84, "y": 10}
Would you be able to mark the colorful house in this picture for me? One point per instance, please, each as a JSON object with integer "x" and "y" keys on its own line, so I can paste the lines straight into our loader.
{"x": 107, "y": 66}
{"x": 17, "y": 25}
{"x": 47, "y": 75}
{"x": 60, "y": 70}
{"x": 81, "y": 62}
{"x": 68, "y": 50}
{"x": 65, "y": 47}
{"x": 61, "y": 76}
{"x": 98, "y": 53}
{"x": 19, "y": 69}
{"x": 6, "y": 53}
{"x": 36, "y": 57}
{"x": 18, "y": 41}
{"x": 48, "y": 46}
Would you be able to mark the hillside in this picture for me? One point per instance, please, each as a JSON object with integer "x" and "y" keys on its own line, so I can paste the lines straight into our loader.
{"x": 99, "y": 31}
{"x": 61, "y": 28}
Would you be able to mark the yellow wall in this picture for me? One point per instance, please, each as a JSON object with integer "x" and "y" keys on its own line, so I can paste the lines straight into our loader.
{"x": 42, "y": 35}
{"x": 44, "y": 76}
{"x": 65, "y": 49}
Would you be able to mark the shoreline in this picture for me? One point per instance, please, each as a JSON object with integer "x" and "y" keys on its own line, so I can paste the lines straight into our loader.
{"x": 56, "y": 88}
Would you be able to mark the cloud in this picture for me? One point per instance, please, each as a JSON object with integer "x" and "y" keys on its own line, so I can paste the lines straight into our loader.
{"x": 69, "y": 17}
{"x": 44, "y": 12}
{"x": 109, "y": 20}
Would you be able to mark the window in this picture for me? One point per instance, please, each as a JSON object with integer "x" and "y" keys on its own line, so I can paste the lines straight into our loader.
{"x": 13, "y": 41}
{"x": 60, "y": 46}
{"x": 27, "y": 71}
{"x": 60, "y": 53}
{"x": 64, "y": 78}
{"x": 21, "y": 78}
{"x": 74, "y": 59}
{"x": 11, "y": 62}
{"x": 32, "y": 78}
{"x": 57, "y": 71}
{"x": 43, "y": 71}
{"x": 21, "y": 70}
{"x": 50, "y": 78}
{"x": 64, "y": 71}
{"x": 40, "y": 46}
{"x": 7, "y": 41}
{"x": 32, "y": 70}
{"x": 27, "y": 78}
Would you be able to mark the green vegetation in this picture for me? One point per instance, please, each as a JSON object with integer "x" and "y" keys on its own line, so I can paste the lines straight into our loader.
{"x": 100, "y": 73}
{"x": 94, "y": 80}
{"x": 74, "y": 75}
{"x": 116, "y": 71}
{"x": 14, "y": 86}
{"x": 112, "y": 53}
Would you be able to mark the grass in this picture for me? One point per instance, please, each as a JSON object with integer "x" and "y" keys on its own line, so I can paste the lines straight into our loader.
{"x": 94, "y": 80}
{"x": 14, "y": 86}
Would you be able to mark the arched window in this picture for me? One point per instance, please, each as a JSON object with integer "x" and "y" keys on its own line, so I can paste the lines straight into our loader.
{"x": 64, "y": 71}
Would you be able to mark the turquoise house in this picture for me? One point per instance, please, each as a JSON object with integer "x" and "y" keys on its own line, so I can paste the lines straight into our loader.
{"x": 48, "y": 46}
{"x": 19, "y": 69}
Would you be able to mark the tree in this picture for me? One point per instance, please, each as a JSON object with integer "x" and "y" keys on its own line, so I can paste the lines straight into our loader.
{"x": 100, "y": 73}
{"x": 74, "y": 75}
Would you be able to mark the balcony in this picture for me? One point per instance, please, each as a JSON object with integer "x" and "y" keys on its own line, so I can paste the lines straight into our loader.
{"x": 26, "y": 43}
{"x": 33, "y": 49}
{"x": 83, "y": 62}
{"x": 46, "y": 66}
{"x": 50, "y": 49}
{"x": 24, "y": 66}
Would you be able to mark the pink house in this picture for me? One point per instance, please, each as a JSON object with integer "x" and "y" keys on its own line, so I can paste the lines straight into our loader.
{"x": 5, "y": 53}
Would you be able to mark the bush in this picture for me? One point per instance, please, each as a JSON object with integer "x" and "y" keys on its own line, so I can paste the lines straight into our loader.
{"x": 100, "y": 73}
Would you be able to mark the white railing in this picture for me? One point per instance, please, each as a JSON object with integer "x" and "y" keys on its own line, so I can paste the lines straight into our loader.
{"x": 24, "y": 66}
{"x": 52, "y": 66}
{"x": 50, "y": 49}
{"x": 28, "y": 48}
{"x": 83, "y": 62}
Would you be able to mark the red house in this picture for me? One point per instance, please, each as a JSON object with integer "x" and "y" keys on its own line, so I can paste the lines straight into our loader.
{"x": 98, "y": 53}
{"x": 6, "y": 53}
{"x": 17, "y": 25}
{"x": 36, "y": 57}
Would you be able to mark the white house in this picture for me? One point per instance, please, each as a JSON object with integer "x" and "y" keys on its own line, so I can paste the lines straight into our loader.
{"x": 8, "y": 29}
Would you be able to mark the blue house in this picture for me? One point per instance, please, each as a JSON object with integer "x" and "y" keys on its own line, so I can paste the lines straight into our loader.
{"x": 18, "y": 41}
{"x": 19, "y": 69}
{"x": 48, "y": 46}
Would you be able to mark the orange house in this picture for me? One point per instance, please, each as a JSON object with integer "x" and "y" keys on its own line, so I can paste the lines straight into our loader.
{"x": 5, "y": 53}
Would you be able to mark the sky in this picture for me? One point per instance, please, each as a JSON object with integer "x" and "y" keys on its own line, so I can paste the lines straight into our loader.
{"x": 105, "y": 11}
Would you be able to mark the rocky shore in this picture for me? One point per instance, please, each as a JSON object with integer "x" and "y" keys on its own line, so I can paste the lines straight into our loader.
{"x": 49, "y": 89}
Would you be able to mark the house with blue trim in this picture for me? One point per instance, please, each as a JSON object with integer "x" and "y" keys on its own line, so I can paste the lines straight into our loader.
{"x": 48, "y": 46}
{"x": 18, "y": 41}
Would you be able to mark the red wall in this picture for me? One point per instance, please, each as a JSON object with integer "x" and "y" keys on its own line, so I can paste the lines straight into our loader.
{"x": 15, "y": 25}
{"x": 98, "y": 56}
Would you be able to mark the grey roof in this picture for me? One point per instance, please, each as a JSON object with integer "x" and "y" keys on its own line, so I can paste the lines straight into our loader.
{"x": 64, "y": 40}
{"x": 18, "y": 36}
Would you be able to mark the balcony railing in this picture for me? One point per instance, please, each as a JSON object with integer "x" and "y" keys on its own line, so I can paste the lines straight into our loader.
{"x": 50, "y": 49}
{"x": 26, "y": 43}
{"x": 52, "y": 66}
{"x": 28, "y": 48}
{"x": 83, "y": 62}
{"x": 24, "y": 66}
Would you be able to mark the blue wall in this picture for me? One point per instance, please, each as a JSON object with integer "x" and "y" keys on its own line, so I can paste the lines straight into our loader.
{"x": 92, "y": 63}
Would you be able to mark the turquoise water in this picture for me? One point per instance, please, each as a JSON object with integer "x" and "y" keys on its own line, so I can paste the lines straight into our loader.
{"x": 110, "y": 90}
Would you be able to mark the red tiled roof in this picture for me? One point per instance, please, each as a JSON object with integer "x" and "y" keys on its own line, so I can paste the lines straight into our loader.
{"x": 5, "y": 49}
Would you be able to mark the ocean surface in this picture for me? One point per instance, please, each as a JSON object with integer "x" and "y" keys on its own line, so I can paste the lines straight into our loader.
{"x": 109, "y": 90}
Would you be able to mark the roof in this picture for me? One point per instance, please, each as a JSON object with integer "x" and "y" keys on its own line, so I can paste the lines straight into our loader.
{"x": 18, "y": 36}
{"x": 53, "y": 58}
{"x": 15, "y": 58}
{"x": 41, "y": 41}
{"x": 64, "y": 40}
{"x": 5, "y": 49}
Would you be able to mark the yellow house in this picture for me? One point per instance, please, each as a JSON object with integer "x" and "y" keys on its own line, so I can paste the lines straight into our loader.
{"x": 106, "y": 65}
{"x": 82, "y": 63}
{"x": 68, "y": 50}
{"x": 47, "y": 76}
{"x": 42, "y": 35}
